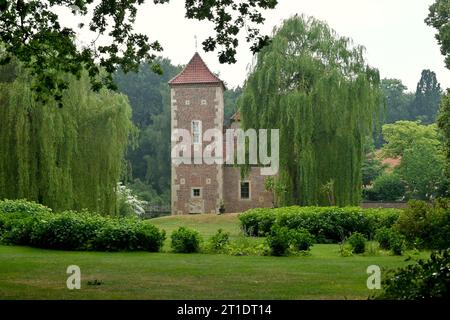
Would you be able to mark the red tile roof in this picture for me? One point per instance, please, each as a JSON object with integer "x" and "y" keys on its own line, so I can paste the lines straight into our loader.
{"x": 196, "y": 71}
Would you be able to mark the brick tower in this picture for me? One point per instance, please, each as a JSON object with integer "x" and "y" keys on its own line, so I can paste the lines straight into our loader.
{"x": 196, "y": 105}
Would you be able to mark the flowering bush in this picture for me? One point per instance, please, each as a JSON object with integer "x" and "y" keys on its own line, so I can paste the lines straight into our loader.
{"x": 128, "y": 203}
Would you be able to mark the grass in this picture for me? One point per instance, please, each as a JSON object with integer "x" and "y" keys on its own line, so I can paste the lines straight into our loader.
{"x": 30, "y": 273}
{"x": 206, "y": 224}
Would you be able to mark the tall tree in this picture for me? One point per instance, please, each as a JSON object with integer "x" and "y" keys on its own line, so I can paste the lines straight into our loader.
{"x": 66, "y": 159}
{"x": 149, "y": 97}
{"x": 402, "y": 135}
{"x": 439, "y": 18}
{"x": 398, "y": 100}
{"x": 422, "y": 161}
{"x": 318, "y": 90}
{"x": 427, "y": 98}
{"x": 444, "y": 125}
{"x": 32, "y": 32}
{"x": 422, "y": 169}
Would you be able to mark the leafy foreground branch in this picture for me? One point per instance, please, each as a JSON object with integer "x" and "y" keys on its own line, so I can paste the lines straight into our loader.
{"x": 32, "y": 32}
{"x": 427, "y": 279}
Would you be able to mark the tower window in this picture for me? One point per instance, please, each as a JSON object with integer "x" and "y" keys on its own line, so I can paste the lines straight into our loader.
{"x": 196, "y": 192}
{"x": 187, "y": 102}
{"x": 203, "y": 102}
{"x": 196, "y": 131}
{"x": 245, "y": 190}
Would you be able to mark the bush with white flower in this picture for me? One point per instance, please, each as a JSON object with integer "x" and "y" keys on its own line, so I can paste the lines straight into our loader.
{"x": 129, "y": 203}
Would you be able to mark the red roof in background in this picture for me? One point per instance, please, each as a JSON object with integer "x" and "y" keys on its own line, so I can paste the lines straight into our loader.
{"x": 392, "y": 162}
{"x": 196, "y": 71}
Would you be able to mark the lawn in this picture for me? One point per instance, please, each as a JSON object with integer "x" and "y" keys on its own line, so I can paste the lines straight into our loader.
{"x": 30, "y": 273}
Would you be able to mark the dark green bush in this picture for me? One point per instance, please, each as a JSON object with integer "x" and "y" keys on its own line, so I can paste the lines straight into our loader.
{"x": 23, "y": 207}
{"x": 387, "y": 187}
{"x": 128, "y": 234}
{"x": 397, "y": 243}
{"x": 301, "y": 239}
{"x": 15, "y": 228}
{"x": 185, "y": 240}
{"x": 326, "y": 224}
{"x": 358, "y": 242}
{"x": 424, "y": 280}
{"x": 66, "y": 231}
{"x": 219, "y": 241}
{"x": 257, "y": 222}
{"x": 31, "y": 224}
{"x": 279, "y": 240}
{"x": 383, "y": 236}
{"x": 426, "y": 225}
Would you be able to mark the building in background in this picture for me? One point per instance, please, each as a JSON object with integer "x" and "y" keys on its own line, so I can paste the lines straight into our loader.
{"x": 197, "y": 105}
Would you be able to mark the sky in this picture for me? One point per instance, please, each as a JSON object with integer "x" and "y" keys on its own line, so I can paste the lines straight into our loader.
{"x": 397, "y": 40}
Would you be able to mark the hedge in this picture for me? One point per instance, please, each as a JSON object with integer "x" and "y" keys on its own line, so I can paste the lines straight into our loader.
{"x": 22, "y": 207}
{"x": 27, "y": 223}
{"x": 129, "y": 235}
{"x": 327, "y": 224}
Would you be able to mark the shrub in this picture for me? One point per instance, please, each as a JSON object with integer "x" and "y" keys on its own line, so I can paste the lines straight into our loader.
{"x": 219, "y": 241}
{"x": 34, "y": 225}
{"x": 66, "y": 231}
{"x": 358, "y": 242}
{"x": 397, "y": 243}
{"x": 428, "y": 279}
{"x": 243, "y": 246}
{"x": 383, "y": 236}
{"x": 326, "y": 224}
{"x": 426, "y": 225}
{"x": 387, "y": 187}
{"x": 185, "y": 240}
{"x": 257, "y": 222}
{"x": 23, "y": 207}
{"x": 15, "y": 228}
{"x": 279, "y": 240}
{"x": 128, "y": 234}
{"x": 301, "y": 239}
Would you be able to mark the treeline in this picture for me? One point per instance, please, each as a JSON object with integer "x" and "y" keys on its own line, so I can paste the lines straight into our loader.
{"x": 421, "y": 105}
{"x": 409, "y": 137}
{"x": 68, "y": 157}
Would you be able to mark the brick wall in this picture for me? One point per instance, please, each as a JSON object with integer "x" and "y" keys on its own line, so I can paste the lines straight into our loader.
{"x": 205, "y": 104}
{"x": 259, "y": 198}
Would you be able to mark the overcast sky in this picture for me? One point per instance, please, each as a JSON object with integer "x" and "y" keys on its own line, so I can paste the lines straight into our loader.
{"x": 397, "y": 40}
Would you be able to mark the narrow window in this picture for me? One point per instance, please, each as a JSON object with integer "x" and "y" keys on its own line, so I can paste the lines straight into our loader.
{"x": 245, "y": 190}
{"x": 196, "y": 131}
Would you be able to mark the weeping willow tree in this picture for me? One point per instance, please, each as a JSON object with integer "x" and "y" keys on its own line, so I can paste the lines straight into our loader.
{"x": 65, "y": 158}
{"x": 318, "y": 90}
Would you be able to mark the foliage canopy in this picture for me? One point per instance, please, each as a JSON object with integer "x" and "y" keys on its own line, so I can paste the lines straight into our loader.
{"x": 318, "y": 90}
{"x": 70, "y": 158}
{"x": 33, "y": 32}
